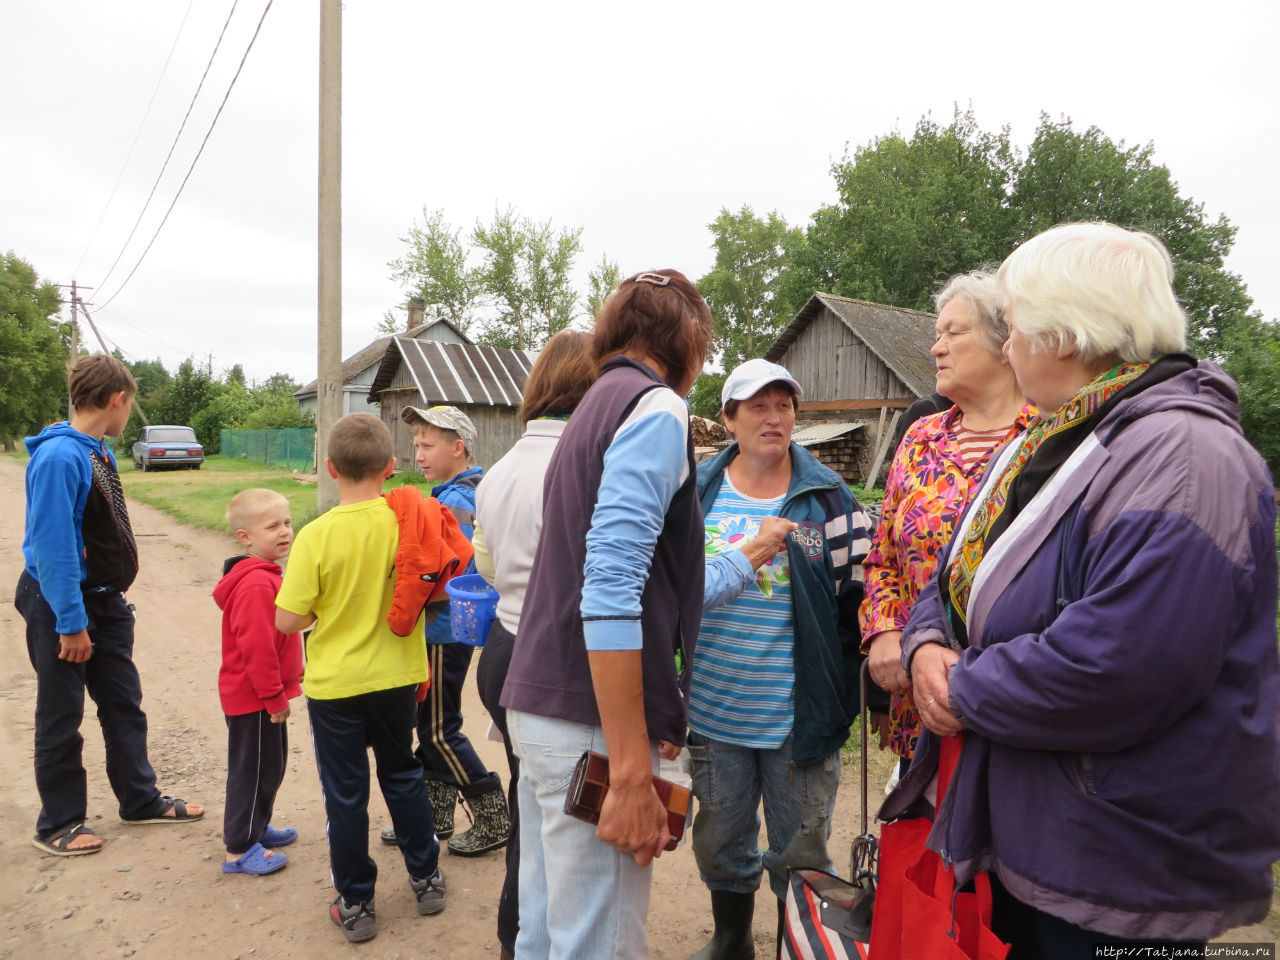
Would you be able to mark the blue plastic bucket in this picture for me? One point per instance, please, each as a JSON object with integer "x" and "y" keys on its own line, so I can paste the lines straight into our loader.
{"x": 473, "y": 604}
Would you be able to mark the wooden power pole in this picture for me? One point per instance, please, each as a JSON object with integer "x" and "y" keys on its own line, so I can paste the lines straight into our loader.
{"x": 329, "y": 285}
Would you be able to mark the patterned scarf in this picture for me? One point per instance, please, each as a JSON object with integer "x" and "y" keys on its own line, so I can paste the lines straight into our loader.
{"x": 1048, "y": 442}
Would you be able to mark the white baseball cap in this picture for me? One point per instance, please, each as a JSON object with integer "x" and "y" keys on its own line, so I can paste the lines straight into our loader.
{"x": 749, "y": 378}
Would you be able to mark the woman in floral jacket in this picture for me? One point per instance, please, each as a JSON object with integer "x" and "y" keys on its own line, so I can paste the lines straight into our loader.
{"x": 934, "y": 473}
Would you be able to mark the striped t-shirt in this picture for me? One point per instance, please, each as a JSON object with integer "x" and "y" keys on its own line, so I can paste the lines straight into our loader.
{"x": 743, "y": 687}
{"x": 973, "y": 445}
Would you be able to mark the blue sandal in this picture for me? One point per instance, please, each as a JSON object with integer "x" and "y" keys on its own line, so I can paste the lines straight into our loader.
{"x": 256, "y": 862}
{"x": 278, "y": 837}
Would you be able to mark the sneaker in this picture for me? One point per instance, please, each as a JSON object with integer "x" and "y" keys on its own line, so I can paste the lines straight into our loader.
{"x": 389, "y": 835}
{"x": 430, "y": 892}
{"x": 356, "y": 919}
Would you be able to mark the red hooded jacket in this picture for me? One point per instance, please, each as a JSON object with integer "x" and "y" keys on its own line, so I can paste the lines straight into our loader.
{"x": 261, "y": 667}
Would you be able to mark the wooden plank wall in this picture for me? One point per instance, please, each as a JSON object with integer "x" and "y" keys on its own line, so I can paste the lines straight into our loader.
{"x": 497, "y": 428}
{"x": 833, "y": 364}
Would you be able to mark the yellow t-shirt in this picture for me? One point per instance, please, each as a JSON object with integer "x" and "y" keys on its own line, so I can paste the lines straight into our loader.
{"x": 341, "y": 568}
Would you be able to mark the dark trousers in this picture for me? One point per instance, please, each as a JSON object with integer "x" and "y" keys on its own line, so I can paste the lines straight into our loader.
{"x": 491, "y": 674}
{"x": 1036, "y": 935}
{"x": 341, "y": 730}
{"x": 256, "y": 754}
{"x": 112, "y": 681}
{"x": 443, "y": 749}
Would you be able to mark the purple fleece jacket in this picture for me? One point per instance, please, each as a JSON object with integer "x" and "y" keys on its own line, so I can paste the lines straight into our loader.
{"x": 1122, "y": 765}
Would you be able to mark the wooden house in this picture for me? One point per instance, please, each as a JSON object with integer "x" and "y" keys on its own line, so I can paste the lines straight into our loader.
{"x": 485, "y": 383}
{"x": 860, "y": 364}
{"x": 361, "y": 368}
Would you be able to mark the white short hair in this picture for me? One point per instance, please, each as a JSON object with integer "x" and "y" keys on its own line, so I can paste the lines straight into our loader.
{"x": 980, "y": 290}
{"x": 1097, "y": 288}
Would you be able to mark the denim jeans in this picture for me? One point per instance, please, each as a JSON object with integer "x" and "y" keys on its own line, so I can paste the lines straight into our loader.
{"x": 729, "y": 782}
{"x": 342, "y": 731}
{"x": 112, "y": 681}
{"x": 580, "y": 899}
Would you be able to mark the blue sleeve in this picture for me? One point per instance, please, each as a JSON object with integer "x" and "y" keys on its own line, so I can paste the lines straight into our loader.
{"x": 56, "y": 490}
{"x": 456, "y": 497}
{"x": 642, "y": 472}
{"x": 728, "y": 574}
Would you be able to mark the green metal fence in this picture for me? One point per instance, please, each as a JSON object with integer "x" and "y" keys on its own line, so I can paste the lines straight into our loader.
{"x": 294, "y": 448}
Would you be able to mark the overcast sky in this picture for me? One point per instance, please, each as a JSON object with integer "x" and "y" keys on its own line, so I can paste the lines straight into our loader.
{"x": 636, "y": 122}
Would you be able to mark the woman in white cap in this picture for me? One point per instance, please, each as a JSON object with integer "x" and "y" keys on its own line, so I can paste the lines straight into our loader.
{"x": 774, "y": 687}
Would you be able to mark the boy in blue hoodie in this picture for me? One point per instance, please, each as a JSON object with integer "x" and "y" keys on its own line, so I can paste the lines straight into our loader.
{"x": 444, "y": 442}
{"x": 80, "y": 557}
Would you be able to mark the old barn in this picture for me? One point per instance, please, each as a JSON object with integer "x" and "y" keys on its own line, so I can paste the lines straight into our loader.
{"x": 486, "y": 383}
{"x": 860, "y": 364}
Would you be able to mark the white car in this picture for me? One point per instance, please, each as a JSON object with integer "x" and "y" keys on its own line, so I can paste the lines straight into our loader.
{"x": 167, "y": 446}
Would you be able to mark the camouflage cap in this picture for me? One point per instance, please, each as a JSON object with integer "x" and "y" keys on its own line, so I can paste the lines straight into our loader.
{"x": 446, "y": 417}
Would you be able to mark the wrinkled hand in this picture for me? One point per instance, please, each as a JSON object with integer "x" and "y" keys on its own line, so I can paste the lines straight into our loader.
{"x": 633, "y": 820}
{"x": 281, "y": 716}
{"x": 668, "y": 750}
{"x": 929, "y": 680}
{"x": 880, "y": 725}
{"x": 884, "y": 657}
{"x": 769, "y": 541}
{"x": 75, "y": 647}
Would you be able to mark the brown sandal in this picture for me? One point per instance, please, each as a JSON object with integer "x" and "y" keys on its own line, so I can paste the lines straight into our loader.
{"x": 59, "y": 845}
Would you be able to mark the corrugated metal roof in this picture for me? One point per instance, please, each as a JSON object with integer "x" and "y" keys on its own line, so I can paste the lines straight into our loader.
{"x": 362, "y": 360}
{"x": 899, "y": 337}
{"x": 811, "y": 433}
{"x": 458, "y": 372}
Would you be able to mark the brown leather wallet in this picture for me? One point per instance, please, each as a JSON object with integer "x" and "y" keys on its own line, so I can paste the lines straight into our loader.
{"x": 590, "y": 784}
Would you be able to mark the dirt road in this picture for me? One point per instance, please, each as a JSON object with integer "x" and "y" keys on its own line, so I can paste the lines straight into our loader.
{"x": 157, "y": 891}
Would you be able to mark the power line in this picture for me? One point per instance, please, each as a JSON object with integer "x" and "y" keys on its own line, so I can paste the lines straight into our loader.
{"x": 129, "y": 156}
{"x": 173, "y": 146}
{"x": 146, "y": 333}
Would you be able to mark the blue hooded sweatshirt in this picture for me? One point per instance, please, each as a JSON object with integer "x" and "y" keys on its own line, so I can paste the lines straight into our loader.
{"x": 74, "y": 541}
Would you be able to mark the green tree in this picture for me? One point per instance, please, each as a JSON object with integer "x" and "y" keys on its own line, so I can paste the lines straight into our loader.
{"x": 601, "y": 281}
{"x": 525, "y": 277}
{"x": 742, "y": 287}
{"x": 518, "y": 293}
{"x": 435, "y": 269}
{"x": 1073, "y": 176}
{"x": 32, "y": 352}
{"x": 190, "y": 392}
{"x": 152, "y": 378}
{"x": 910, "y": 212}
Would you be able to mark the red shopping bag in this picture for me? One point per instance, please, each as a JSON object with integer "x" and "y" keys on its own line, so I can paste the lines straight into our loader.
{"x": 914, "y": 917}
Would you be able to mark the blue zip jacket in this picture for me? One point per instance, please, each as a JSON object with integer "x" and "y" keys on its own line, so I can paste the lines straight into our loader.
{"x": 458, "y": 494}
{"x": 826, "y": 555}
{"x": 59, "y": 478}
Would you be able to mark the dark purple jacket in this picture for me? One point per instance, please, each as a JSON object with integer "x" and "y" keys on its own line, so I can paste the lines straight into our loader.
{"x": 1121, "y": 687}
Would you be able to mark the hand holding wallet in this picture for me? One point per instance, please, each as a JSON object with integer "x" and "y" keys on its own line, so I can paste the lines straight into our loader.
{"x": 590, "y": 785}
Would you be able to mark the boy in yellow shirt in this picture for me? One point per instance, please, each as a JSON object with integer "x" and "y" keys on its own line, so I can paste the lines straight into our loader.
{"x": 361, "y": 677}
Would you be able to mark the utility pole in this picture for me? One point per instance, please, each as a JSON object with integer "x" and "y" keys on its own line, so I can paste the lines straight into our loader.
{"x": 102, "y": 340}
{"x": 74, "y": 350}
{"x": 329, "y": 281}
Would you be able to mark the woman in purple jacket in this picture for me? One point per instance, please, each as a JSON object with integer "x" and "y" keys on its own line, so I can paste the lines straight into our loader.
{"x": 1103, "y": 627}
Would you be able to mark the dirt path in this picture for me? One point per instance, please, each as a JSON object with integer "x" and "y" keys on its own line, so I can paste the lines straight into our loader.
{"x": 157, "y": 891}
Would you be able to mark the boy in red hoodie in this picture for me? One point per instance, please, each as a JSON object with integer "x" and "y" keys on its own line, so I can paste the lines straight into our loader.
{"x": 261, "y": 671}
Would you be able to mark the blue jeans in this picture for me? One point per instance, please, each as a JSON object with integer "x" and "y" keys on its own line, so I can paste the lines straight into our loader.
{"x": 729, "y": 782}
{"x": 580, "y": 899}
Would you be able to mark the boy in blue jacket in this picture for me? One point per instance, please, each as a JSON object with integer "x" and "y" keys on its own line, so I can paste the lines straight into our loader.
{"x": 80, "y": 557}
{"x": 444, "y": 440}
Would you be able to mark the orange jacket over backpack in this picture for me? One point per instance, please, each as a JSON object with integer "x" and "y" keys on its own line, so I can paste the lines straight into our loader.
{"x": 432, "y": 551}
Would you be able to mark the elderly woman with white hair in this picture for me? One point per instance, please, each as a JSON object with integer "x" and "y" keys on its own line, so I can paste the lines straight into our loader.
{"x": 1102, "y": 629}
